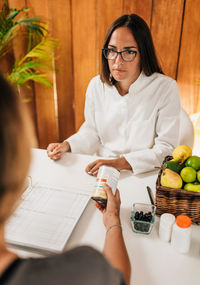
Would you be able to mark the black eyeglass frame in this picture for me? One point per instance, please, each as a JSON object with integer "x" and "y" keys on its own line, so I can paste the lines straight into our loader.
{"x": 104, "y": 50}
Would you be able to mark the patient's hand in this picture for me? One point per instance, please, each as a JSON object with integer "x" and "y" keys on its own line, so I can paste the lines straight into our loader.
{"x": 118, "y": 163}
{"x": 56, "y": 150}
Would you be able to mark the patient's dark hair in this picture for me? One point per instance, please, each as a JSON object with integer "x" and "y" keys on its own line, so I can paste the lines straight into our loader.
{"x": 141, "y": 32}
{"x": 14, "y": 147}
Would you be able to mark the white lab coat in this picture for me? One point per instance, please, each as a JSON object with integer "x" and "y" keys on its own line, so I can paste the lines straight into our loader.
{"x": 142, "y": 126}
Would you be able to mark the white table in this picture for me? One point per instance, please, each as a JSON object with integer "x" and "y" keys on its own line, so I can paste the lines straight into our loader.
{"x": 153, "y": 261}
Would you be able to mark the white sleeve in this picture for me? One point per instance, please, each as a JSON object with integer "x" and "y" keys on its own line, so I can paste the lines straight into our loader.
{"x": 86, "y": 140}
{"x": 166, "y": 134}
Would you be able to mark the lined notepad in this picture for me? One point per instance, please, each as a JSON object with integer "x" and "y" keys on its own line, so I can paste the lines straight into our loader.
{"x": 46, "y": 217}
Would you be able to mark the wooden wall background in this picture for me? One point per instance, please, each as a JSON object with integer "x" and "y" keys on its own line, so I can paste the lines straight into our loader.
{"x": 80, "y": 26}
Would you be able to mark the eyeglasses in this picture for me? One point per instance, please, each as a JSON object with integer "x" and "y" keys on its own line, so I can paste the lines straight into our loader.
{"x": 126, "y": 55}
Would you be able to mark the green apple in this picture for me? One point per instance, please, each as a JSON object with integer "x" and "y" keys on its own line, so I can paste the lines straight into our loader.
{"x": 193, "y": 161}
{"x": 195, "y": 187}
{"x": 188, "y": 174}
{"x": 198, "y": 175}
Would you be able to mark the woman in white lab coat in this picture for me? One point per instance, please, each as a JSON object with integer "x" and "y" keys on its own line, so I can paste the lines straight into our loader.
{"x": 132, "y": 109}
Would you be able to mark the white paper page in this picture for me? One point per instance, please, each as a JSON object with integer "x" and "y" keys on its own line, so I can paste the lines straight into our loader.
{"x": 45, "y": 217}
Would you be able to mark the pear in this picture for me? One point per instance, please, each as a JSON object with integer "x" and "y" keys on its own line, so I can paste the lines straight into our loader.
{"x": 181, "y": 153}
{"x": 171, "y": 179}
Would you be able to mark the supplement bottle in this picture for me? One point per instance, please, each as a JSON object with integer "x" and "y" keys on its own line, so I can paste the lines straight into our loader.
{"x": 165, "y": 229}
{"x": 181, "y": 234}
{"x": 106, "y": 175}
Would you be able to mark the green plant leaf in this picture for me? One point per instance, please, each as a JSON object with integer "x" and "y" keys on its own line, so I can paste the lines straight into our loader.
{"x": 42, "y": 51}
{"x": 14, "y": 12}
{"x": 24, "y": 78}
{"x": 39, "y": 55}
{"x": 9, "y": 29}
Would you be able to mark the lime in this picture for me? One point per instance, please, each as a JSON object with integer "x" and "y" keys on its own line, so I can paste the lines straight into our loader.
{"x": 198, "y": 175}
{"x": 188, "y": 174}
{"x": 193, "y": 161}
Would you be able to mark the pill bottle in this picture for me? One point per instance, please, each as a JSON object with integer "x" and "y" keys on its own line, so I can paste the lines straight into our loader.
{"x": 181, "y": 234}
{"x": 165, "y": 228}
{"x": 106, "y": 175}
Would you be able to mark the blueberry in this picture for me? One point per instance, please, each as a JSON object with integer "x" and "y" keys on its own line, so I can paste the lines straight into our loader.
{"x": 137, "y": 215}
{"x": 141, "y": 215}
{"x": 146, "y": 218}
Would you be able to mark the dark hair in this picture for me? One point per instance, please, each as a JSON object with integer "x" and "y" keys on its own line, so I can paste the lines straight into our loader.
{"x": 142, "y": 35}
{"x": 15, "y": 136}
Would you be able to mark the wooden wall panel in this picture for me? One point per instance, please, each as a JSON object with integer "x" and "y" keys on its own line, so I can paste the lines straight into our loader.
{"x": 61, "y": 29}
{"x": 189, "y": 62}
{"x": 141, "y": 8}
{"x": 107, "y": 12}
{"x": 5, "y": 61}
{"x": 81, "y": 26}
{"x": 84, "y": 52}
{"x": 45, "y": 105}
{"x": 20, "y": 47}
{"x": 1, "y": 3}
{"x": 166, "y": 32}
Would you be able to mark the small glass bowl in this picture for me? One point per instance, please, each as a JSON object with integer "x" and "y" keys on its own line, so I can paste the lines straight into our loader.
{"x": 139, "y": 226}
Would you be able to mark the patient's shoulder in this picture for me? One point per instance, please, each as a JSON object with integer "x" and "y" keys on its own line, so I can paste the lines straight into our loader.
{"x": 82, "y": 265}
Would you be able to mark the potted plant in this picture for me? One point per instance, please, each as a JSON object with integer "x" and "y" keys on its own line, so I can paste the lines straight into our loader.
{"x": 37, "y": 57}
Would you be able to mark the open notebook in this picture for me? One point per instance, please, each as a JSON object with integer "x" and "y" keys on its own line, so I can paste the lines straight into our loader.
{"x": 45, "y": 218}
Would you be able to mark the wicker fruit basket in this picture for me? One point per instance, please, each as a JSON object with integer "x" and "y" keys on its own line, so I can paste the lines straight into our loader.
{"x": 177, "y": 201}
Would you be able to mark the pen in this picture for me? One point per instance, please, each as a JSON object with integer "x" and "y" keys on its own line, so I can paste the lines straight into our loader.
{"x": 150, "y": 195}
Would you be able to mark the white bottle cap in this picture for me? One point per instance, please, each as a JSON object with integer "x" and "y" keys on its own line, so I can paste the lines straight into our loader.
{"x": 167, "y": 220}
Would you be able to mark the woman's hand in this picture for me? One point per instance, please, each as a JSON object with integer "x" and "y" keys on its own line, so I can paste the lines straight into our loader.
{"x": 112, "y": 209}
{"x": 118, "y": 163}
{"x": 114, "y": 247}
{"x": 56, "y": 150}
